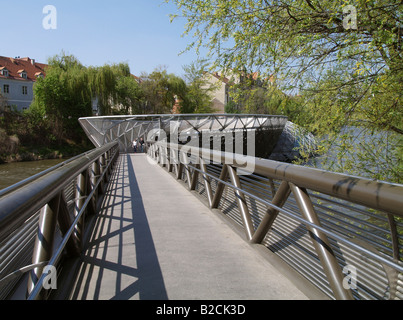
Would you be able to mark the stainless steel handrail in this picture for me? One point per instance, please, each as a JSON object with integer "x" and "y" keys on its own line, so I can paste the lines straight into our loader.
{"x": 39, "y": 174}
{"x": 16, "y": 207}
{"x": 45, "y": 193}
{"x": 299, "y": 182}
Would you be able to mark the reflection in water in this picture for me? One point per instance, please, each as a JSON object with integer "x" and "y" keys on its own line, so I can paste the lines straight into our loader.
{"x": 11, "y": 173}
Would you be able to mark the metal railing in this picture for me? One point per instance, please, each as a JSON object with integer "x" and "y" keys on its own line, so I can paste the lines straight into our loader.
{"x": 42, "y": 220}
{"x": 342, "y": 233}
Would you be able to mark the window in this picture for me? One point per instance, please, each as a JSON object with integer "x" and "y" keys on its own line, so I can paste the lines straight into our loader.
{"x": 22, "y": 73}
{"x": 24, "y": 90}
{"x": 6, "y": 88}
{"x": 4, "y": 72}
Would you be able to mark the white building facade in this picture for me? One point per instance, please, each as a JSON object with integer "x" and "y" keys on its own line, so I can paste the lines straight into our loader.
{"x": 17, "y": 78}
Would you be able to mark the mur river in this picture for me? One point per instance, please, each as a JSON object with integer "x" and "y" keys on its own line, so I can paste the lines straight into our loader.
{"x": 11, "y": 173}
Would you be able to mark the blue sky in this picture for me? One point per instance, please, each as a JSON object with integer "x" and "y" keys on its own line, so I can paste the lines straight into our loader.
{"x": 138, "y": 32}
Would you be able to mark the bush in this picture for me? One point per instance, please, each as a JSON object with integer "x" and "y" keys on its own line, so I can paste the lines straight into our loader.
{"x": 8, "y": 144}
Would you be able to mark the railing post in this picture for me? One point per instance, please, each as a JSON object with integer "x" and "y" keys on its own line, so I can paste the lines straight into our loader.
{"x": 187, "y": 169}
{"x": 169, "y": 160}
{"x": 220, "y": 187}
{"x": 65, "y": 222}
{"x": 243, "y": 208}
{"x": 92, "y": 178}
{"x": 322, "y": 246}
{"x": 195, "y": 178}
{"x": 79, "y": 202}
{"x": 394, "y": 236}
{"x": 179, "y": 170}
{"x": 107, "y": 159}
{"x": 207, "y": 184}
{"x": 101, "y": 169}
{"x": 279, "y": 199}
{"x": 44, "y": 241}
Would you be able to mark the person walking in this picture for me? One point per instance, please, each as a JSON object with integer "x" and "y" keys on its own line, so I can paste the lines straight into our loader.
{"x": 141, "y": 145}
{"x": 135, "y": 145}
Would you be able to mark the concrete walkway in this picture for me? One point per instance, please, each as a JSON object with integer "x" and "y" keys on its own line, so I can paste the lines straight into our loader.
{"x": 153, "y": 240}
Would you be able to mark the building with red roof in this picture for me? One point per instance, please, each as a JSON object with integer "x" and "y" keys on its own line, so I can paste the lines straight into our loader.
{"x": 17, "y": 78}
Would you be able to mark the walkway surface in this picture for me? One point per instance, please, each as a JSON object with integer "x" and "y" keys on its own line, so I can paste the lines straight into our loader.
{"x": 153, "y": 240}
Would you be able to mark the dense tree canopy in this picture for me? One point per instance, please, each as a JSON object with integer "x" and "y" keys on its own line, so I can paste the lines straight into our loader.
{"x": 63, "y": 95}
{"x": 159, "y": 90}
{"x": 69, "y": 88}
{"x": 342, "y": 58}
{"x": 199, "y": 90}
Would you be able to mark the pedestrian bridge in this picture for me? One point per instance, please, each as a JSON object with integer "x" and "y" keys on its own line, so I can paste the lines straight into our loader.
{"x": 187, "y": 222}
{"x": 157, "y": 241}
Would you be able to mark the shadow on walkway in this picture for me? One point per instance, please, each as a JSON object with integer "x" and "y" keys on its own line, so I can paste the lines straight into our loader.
{"x": 120, "y": 260}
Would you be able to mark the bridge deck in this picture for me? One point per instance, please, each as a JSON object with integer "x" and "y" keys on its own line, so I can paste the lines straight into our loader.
{"x": 154, "y": 240}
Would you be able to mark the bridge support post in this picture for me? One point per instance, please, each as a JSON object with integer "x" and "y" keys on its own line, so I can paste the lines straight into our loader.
{"x": 220, "y": 187}
{"x": 243, "y": 208}
{"x": 169, "y": 160}
{"x": 321, "y": 243}
{"x": 65, "y": 221}
{"x": 44, "y": 242}
{"x": 207, "y": 184}
{"x": 101, "y": 167}
{"x": 195, "y": 178}
{"x": 279, "y": 199}
{"x": 187, "y": 170}
{"x": 80, "y": 200}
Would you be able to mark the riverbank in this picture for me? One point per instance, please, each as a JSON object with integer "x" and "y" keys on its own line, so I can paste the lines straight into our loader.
{"x": 23, "y": 138}
{"x": 37, "y": 153}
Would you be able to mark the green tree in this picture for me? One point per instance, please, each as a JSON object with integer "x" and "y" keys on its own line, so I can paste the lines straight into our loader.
{"x": 67, "y": 91}
{"x": 343, "y": 59}
{"x": 63, "y": 96}
{"x": 198, "y": 95}
{"x": 110, "y": 84}
{"x": 129, "y": 95}
{"x": 160, "y": 89}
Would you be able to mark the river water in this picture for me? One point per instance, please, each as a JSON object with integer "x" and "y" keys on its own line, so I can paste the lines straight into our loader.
{"x": 11, "y": 173}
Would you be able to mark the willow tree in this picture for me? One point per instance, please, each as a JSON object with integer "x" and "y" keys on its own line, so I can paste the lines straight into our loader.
{"x": 63, "y": 96}
{"x": 104, "y": 83}
{"x": 129, "y": 96}
{"x": 344, "y": 59}
{"x": 160, "y": 90}
{"x": 67, "y": 92}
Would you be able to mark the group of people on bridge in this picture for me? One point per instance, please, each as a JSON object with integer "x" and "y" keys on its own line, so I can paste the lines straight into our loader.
{"x": 138, "y": 145}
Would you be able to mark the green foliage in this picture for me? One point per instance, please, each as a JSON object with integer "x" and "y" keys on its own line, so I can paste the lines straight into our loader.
{"x": 197, "y": 98}
{"x": 339, "y": 76}
{"x": 128, "y": 95}
{"x": 67, "y": 91}
{"x": 109, "y": 84}
{"x": 231, "y": 107}
{"x": 159, "y": 89}
{"x": 62, "y": 96}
